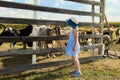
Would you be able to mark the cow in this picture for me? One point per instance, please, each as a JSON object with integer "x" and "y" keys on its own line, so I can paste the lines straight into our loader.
{"x": 8, "y": 31}
{"x": 118, "y": 41}
{"x": 108, "y": 32}
{"x": 82, "y": 32}
{"x": 118, "y": 35}
{"x": 117, "y": 32}
{"x": 44, "y": 31}
{"x": 106, "y": 41}
{"x": 25, "y": 32}
{"x": 96, "y": 31}
{"x": 33, "y": 30}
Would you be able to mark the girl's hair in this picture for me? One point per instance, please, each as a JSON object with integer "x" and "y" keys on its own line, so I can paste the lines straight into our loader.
{"x": 73, "y": 22}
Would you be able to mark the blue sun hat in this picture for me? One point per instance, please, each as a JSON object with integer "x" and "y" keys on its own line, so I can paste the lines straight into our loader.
{"x": 73, "y": 22}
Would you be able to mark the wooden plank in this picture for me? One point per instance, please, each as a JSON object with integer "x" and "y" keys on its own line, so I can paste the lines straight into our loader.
{"x": 94, "y": 46}
{"x": 90, "y": 36}
{"x": 30, "y": 51}
{"x": 87, "y": 2}
{"x": 29, "y": 38}
{"x": 18, "y": 69}
{"x": 42, "y": 22}
{"x": 29, "y": 21}
{"x": 42, "y": 51}
{"x": 46, "y": 9}
{"x": 113, "y": 53}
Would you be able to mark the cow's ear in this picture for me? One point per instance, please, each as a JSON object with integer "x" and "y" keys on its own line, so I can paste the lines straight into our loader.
{"x": 6, "y": 29}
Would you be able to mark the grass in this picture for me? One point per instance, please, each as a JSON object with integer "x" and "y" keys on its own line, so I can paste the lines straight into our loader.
{"x": 99, "y": 70}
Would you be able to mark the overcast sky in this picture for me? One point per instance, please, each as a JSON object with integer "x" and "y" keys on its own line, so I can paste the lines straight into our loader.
{"x": 112, "y": 10}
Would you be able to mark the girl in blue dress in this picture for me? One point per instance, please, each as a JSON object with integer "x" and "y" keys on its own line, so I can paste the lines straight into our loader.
{"x": 73, "y": 46}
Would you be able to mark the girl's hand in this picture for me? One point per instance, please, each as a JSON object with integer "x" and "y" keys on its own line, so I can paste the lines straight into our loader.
{"x": 74, "y": 48}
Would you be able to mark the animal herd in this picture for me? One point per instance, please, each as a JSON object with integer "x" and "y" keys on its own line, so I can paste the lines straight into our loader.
{"x": 107, "y": 33}
{"x": 32, "y": 30}
{"x": 43, "y": 30}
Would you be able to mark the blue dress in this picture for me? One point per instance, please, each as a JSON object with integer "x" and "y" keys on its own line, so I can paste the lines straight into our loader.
{"x": 70, "y": 44}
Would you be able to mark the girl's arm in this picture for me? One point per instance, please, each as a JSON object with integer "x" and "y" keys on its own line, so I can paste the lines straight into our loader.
{"x": 67, "y": 33}
{"x": 75, "y": 32}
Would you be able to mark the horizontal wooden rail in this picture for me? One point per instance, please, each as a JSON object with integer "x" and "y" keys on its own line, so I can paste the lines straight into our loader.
{"x": 30, "y": 51}
{"x": 29, "y": 38}
{"x": 90, "y": 36}
{"x": 43, "y": 51}
{"x": 18, "y": 69}
{"x": 42, "y": 22}
{"x": 87, "y": 2}
{"x": 46, "y": 9}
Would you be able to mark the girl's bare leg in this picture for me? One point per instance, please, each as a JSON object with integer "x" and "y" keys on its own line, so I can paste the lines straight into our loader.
{"x": 76, "y": 63}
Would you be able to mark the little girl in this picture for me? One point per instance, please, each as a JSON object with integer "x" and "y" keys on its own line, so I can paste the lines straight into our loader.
{"x": 73, "y": 46}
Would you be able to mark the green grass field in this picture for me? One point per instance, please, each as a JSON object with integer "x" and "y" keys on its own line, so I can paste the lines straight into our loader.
{"x": 104, "y": 69}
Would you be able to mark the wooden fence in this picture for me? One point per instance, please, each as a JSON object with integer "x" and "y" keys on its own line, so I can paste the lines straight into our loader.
{"x": 13, "y": 20}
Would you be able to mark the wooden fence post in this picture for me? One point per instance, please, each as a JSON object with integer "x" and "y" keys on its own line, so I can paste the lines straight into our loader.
{"x": 34, "y": 43}
{"x": 101, "y": 50}
{"x": 102, "y": 10}
{"x": 93, "y": 39}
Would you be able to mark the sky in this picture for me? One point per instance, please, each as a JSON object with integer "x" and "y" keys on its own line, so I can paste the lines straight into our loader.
{"x": 111, "y": 10}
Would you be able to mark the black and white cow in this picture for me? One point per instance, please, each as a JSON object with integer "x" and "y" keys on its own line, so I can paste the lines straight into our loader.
{"x": 8, "y": 31}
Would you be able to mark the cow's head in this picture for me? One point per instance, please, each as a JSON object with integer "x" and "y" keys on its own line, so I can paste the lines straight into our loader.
{"x": 8, "y": 31}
